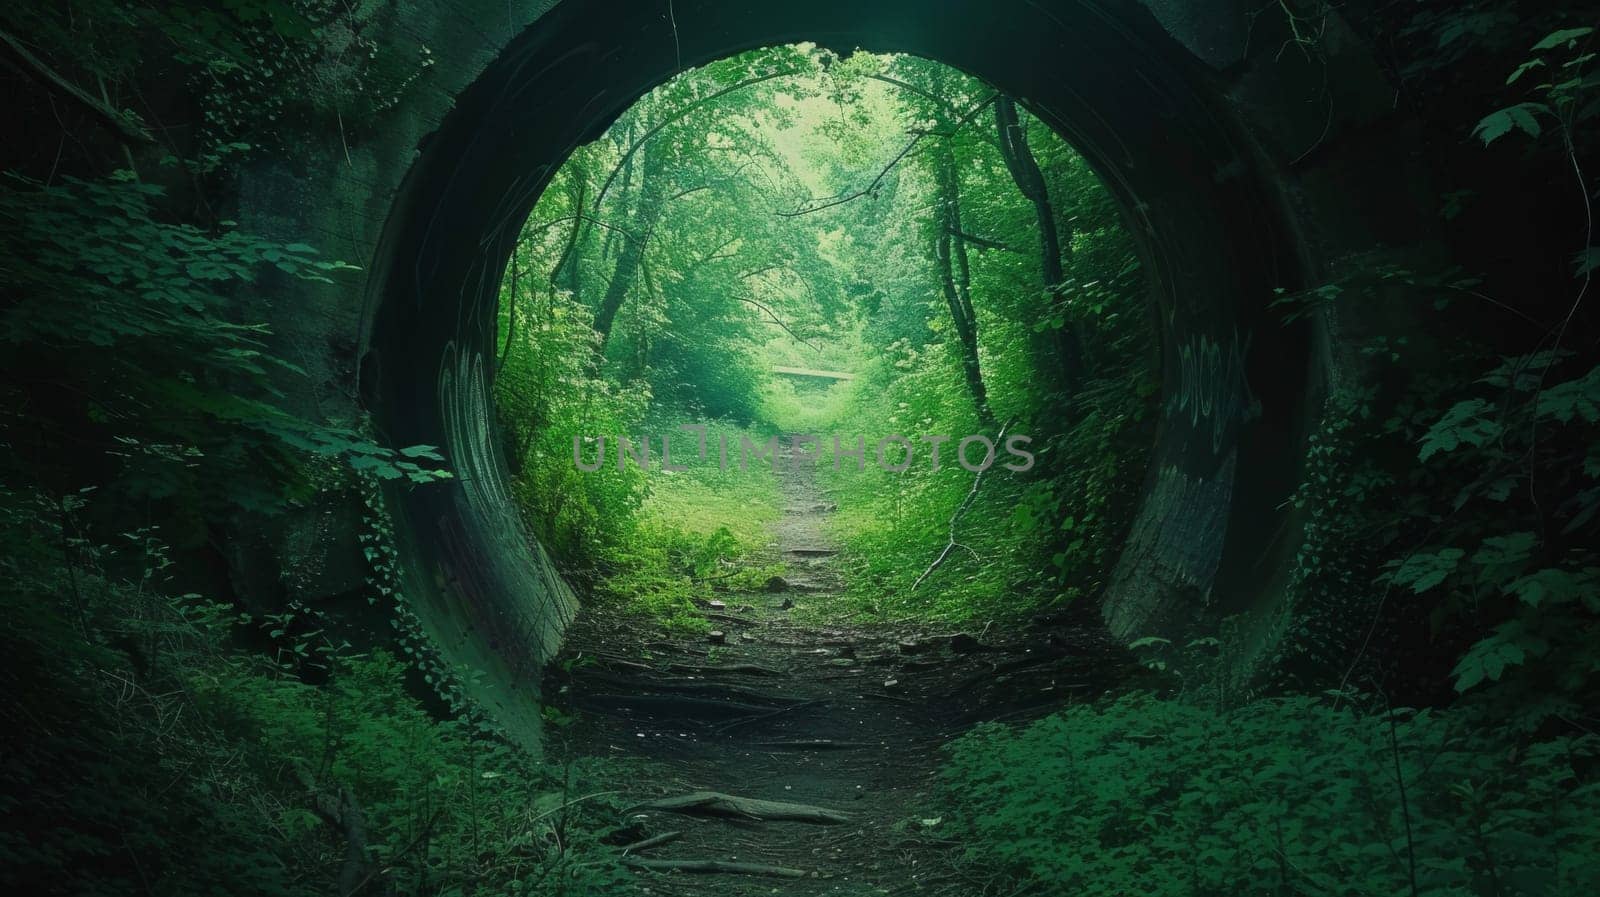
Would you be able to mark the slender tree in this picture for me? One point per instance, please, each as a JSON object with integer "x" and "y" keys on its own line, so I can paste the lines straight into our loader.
{"x": 646, "y": 213}
{"x": 1024, "y": 169}
{"x": 955, "y": 274}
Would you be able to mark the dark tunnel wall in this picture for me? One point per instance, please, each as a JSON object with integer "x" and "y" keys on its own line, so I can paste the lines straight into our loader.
{"x": 1158, "y": 115}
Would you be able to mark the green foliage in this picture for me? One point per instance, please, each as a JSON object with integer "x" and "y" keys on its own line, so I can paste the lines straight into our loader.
{"x": 1292, "y": 796}
{"x": 262, "y": 71}
{"x": 1521, "y": 117}
{"x": 151, "y": 731}
{"x": 1028, "y": 539}
{"x": 1463, "y": 506}
{"x": 731, "y": 229}
{"x": 1562, "y": 62}
{"x": 698, "y": 529}
{"x": 1528, "y": 589}
{"x": 547, "y": 397}
{"x": 122, "y": 313}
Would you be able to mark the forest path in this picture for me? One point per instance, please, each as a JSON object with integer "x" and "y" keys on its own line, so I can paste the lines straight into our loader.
{"x": 845, "y": 718}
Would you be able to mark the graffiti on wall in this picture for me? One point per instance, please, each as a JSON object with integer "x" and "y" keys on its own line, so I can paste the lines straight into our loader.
{"x": 1212, "y": 391}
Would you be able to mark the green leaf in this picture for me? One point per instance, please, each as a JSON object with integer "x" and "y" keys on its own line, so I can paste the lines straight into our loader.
{"x": 1569, "y": 400}
{"x": 1501, "y": 122}
{"x": 430, "y": 452}
{"x": 1568, "y": 36}
{"x": 1503, "y": 556}
{"x": 1487, "y": 659}
{"x": 1523, "y": 69}
{"x": 1466, "y": 423}
{"x": 1551, "y": 586}
{"x": 1424, "y": 570}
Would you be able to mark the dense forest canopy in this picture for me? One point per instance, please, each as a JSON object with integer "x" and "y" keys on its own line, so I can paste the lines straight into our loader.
{"x": 878, "y": 216}
{"x": 253, "y": 646}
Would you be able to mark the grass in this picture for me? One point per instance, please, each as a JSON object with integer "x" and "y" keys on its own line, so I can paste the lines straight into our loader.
{"x": 804, "y": 408}
{"x": 893, "y": 527}
{"x": 698, "y": 529}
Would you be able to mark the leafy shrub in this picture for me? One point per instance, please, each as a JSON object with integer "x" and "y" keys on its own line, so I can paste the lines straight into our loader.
{"x": 129, "y": 323}
{"x": 137, "y": 729}
{"x": 1292, "y": 796}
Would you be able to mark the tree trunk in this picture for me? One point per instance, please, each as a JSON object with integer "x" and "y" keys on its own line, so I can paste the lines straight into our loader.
{"x": 626, "y": 271}
{"x": 566, "y": 273}
{"x": 955, "y": 277}
{"x": 608, "y": 240}
{"x": 1030, "y": 181}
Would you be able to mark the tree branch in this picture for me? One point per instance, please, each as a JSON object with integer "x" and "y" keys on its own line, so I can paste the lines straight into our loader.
{"x": 816, "y": 205}
{"x": 981, "y": 241}
{"x": 677, "y": 115}
{"x": 925, "y": 94}
{"x": 34, "y": 67}
{"x": 776, "y": 320}
{"x": 955, "y": 518}
{"x": 590, "y": 219}
{"x": 343, "y": 815}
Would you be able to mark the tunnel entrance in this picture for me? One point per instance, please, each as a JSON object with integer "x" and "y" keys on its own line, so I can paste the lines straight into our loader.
{"x": 1207, "y": 223}
{"x": 815, "y": 375}
{"x": 855, "y": 331}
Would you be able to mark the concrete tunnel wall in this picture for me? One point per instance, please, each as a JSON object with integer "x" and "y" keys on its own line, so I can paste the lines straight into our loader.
{"x": 1196, "y": 133}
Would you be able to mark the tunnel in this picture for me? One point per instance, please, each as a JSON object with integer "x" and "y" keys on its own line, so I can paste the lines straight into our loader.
{"x": 314, "y": 317}
{"x": 1206, "y": 204}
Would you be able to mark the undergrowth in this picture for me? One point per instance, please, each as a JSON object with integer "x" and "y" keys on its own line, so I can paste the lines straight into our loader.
{"x": 1290, "y": 796}
{"x": 167, "y": 743}
{"x": 699, "y": 529}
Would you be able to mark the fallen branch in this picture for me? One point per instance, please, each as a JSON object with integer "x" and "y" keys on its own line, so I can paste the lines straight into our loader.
{"x": 652, "y": 841}
{"x": 715, "y": 803}
{"x": 955, "y": 518}
{"x": 893, "y": 699}
{"x": 729, "y": 618}
{"x": 713, "y": 866}
{"x": 688, "y": 686}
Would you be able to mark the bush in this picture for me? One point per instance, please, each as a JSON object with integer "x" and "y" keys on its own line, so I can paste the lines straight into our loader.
{"x": 1292, "y": 796}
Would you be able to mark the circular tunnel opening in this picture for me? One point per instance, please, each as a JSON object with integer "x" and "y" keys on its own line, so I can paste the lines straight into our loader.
{"x": 1205, "y": 221}
{"x": 828, "y": 383}
{"x": 853, "y": 332}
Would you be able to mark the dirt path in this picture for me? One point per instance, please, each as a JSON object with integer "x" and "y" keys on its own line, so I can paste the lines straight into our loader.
{"x": 846, "y": 719}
